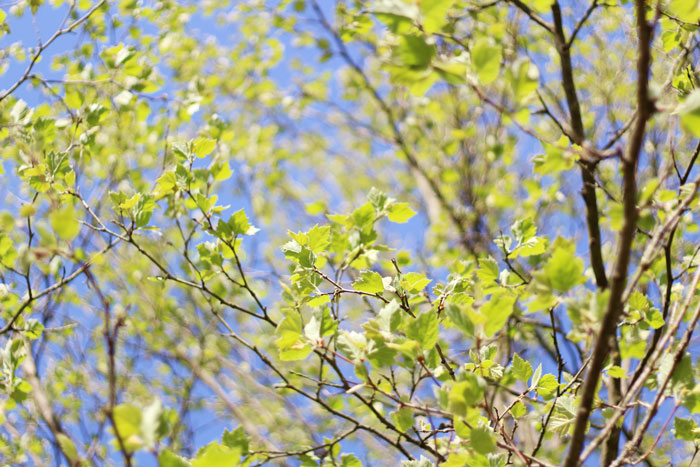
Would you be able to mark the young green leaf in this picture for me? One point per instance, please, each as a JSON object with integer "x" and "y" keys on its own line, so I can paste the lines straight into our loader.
{"x": 424, "y": 330}
{"x": 486, "y": 60}
{"x": 522, "y": 370}
{"x": 403, "y": 419}
{"x": 400, "y": 213}
{"x": 202, "y": 147}
{"x": 496, "y": 311}
{"x": 65, "y": 222}
{"x": 370, "y": 282}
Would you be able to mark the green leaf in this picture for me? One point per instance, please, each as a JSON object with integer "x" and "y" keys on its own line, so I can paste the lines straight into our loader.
{"x": 414, "y": 282}
{"x": 370, "y": 282}
{"x": 349, "y": 460}
{"x": 403, "y": 419}
{"x": 685, "y": 10}
{"x": 638, "y": 301}
{"x": 563, "y": 269}
{"x": 563, "y": 415}
{"x": 32, "y": 329}
{"x": 434, "y": 14}
{"x": 461, "y": 428}
{"x": 319, "y": 300}
{"x": 407, "y": 347}
{"x": 458, "y": 459}
{"x": 686, "y": 429}
{"x": 561, "y": 424}
{"x": 465, "y": 394}
{"x": 654, "y": 318}
{"x": 522, "y": 370}
{"x": 414, "y": 52}
{"x": 488, "y": 270}
{"x": 143, "y": 210}
{"x": 497, "y": 310}
{"x": 378, "y": 199}
{"x": 320, "y": 325}
{"x": 165, "y": 184}
{"x": 167, "y": 458}
{"x": 221, "y": 171}
{"x": 65, "y": 222}
{"x": 540, "y": 6}
{"x": 20, "y": 113}
{"x": 531, "y": 247}
{"x": 302, "y": 255}
{"x": 216, "y": 455}
{"x": 27, "y": 210}
{"x": 524, "y": 229}
{"x": 486, "y": 60}
{"x": 319, "y": 238}
{"x": 236, "y": 439}
{"x": 682, "y": 376}
{"x": 536, "y": 376}
{"x": 127, "y": 419}
{"x": 524, "y": 78}
{"x": 397, "y": 15}
{"x": 389, "y": 318}
{"x": 482, "y": 440}
{"x": 290, "y": 341}
{"x": 352, "y": 344}
{"x": 616, "y": 372}
{"x": 554, "y": 160}
{"x": 240, "y": 225}
{"x": 202, "y": 147}
{"x": 400, "y": 213}
{"x": 363, "y": 217}
{"x": 518, "y": 410}
{"x": 547, "y": 386}
{"x": 424, "y": 329}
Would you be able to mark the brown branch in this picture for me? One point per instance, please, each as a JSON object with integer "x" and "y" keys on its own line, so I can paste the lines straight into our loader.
{"x": 582, "y": 21}
{"x": 61, "y": 31}
{"x": 214, "y": 385}
{"x": 587, "y": 167}
{"x": 533, "y": 15}
{"x": 43, "y": 405}
{"x": 65, "y": 281}
{"x": 316, "y": 449}
{"x": 689, "y": 169}
{"x": 661, "y": 348}
{"x": 419, "y": 171}
{"x": 625, "y": 238}
{"x": 661, "y": 390}
{"x": 111, "y": 333}
{"x": 560, "y": 369}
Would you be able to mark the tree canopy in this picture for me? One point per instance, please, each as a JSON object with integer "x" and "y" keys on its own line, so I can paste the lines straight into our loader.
{"x": 349, "y": 233}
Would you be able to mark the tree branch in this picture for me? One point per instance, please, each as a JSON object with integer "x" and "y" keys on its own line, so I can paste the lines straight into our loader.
{"x": 625, "y": 238}
{"x": 43, "y": 47}
{"x": 578, "y": 134}
{"x": 43, "y": 405}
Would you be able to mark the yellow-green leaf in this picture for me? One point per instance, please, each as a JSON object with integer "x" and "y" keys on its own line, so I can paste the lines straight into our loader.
{"x": 486, "y": 60}
{"x": 64, "y": 222}
{"x": 400, "y": 213}
{"x": 202, "y": 147}
{"x": 370, "y": 282}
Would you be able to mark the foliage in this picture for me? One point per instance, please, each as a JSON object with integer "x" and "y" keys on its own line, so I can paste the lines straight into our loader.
{"x": 435, "y": 232}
